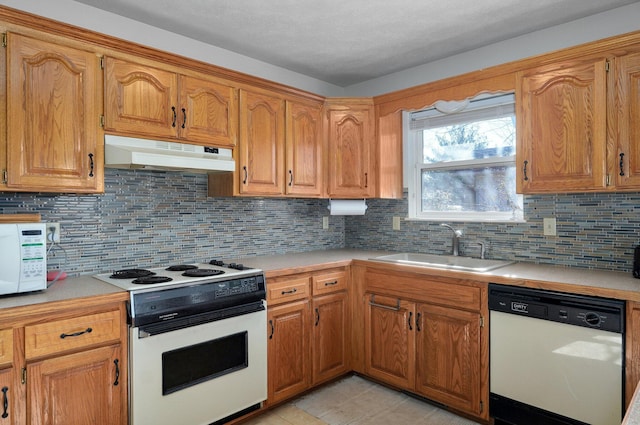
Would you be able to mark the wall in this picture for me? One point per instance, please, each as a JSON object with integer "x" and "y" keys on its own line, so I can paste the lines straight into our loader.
{"x": 593, "y": 231}
{"x": 602, "y": 25}
{"x": 149, "y": 218}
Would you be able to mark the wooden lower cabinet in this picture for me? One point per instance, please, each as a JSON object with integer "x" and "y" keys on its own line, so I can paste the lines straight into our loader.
{"x": 448, "y": 356}
{"x": 288, "y": 350}
{"x": 426, "y": 335}
{"x": 308, "y": 331}
{"x": 330, "y": 336}
{"x": 389, "y": 340}
{"x": 62, "y": 365}
{"x": 80, "y": 388}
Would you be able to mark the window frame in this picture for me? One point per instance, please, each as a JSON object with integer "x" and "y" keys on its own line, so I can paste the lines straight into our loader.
{"x": 413, "y": 145}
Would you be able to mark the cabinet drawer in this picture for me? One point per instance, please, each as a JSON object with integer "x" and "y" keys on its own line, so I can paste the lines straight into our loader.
{"x": 281, "y": 291}
{"x": 68, "y": 334}
{"x": 6, "y": 346}
{"x": 329, "y": 282}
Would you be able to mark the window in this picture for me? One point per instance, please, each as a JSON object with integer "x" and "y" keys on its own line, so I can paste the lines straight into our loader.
{"x": 461, "y": 161}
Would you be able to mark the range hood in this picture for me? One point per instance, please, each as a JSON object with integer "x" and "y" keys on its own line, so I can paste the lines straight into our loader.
{"x": 129, "y": 152}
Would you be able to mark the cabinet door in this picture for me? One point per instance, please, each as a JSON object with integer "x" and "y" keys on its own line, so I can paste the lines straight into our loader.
{"x": 83, "y": 388}
{"x": 140, "y": 100}
{"x": 54, "y": 138}
{"x": 8, "y": 398}
{"x": 350, "y": 137}
{"x": 330, "y": 336}
{"x": 390, "y": 340}
{"x": 561, "y": 128}
{"x": 303, "y": 150}
{"x": 448, "y": 366}
{"x": 627, "y": 111}
{"x": 288, "y": 352}
{"x": 208, "y": 112}
{"x": 261, "y": 159}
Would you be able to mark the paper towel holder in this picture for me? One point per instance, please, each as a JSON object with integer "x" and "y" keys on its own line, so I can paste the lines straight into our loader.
{"x": 347, "y": 206}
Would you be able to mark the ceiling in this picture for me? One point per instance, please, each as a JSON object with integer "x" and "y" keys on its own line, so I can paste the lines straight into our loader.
{"x": 345, "y": 42}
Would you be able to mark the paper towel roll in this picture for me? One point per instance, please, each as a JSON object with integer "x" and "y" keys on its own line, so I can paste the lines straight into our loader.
{"x": 347, "y": 206}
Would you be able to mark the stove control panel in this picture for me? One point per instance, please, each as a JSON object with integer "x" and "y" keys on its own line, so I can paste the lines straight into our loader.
{"x": 178, "y": 302}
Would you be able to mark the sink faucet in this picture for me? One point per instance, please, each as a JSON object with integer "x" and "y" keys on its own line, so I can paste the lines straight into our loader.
{"x": 455, "y": 241}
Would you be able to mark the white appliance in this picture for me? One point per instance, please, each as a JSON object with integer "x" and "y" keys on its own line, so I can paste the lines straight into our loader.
{"x": 23, "y": 257}
{"x": 130, "y": 152}
{"x": 197, "y": 342}
{"x": 555, "y": 358}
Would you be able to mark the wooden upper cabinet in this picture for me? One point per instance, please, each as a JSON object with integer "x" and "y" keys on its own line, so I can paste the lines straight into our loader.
{"x": 349, "y": 146}
{"x": 209, "y": 112}
{"x": 152, "y": 102}
{"x": 261, "y": 145}
{"x": 626, "y": 162}
{"x": 140, "y": 100}
{"x": 54, "y": 138}
{"x": 304, "y": 176}
{"x": 561, "y": 115}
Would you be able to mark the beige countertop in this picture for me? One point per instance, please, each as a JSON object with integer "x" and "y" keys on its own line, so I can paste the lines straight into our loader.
{"x": 584, "y": 281}
{"x": 67, "y": 290}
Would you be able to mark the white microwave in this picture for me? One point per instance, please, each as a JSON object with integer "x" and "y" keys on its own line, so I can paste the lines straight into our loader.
{"x": 23, "y": 257}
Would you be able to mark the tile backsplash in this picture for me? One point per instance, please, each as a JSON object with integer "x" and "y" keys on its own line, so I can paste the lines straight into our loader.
{"x": 593, "y": 231}
{"x": 152, "y": 218}
{"x": 149, "y": 219}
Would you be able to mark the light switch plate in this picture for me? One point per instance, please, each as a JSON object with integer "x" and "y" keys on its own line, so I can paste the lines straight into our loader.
{"x": 396, "y": 223}
{"x": 325, "y": 222}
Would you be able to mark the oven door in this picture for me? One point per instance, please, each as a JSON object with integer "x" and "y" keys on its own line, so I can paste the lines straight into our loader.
{"x": 200, "y": 374}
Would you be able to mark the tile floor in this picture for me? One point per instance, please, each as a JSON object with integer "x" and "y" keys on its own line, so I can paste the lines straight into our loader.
{"x": 356, "y": 401}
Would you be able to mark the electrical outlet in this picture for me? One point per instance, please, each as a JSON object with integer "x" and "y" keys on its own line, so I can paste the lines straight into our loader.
{"x": 549, "y": 225}
{"x": 325, "y": 222}
{"x": 396, "y": 223}
{"x": 53, "y": 232}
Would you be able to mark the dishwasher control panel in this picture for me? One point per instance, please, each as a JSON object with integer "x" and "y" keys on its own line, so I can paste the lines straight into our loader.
{"x": 578, "y": 310}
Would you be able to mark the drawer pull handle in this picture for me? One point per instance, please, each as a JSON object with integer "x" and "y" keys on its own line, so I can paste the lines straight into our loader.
{"x": 335, "y": 282}
{"x": 117, "y": 364}
{"x": 86, "y": 331}
{"x": 292, "y": 291}
{"x": 5, "y": 403}
{"x": 373, "y": 303}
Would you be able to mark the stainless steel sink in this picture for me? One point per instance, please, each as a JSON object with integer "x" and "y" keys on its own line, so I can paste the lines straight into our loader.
{"x": 445, "y": 261}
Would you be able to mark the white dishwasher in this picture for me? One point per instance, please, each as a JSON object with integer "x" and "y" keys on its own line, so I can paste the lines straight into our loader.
{"x": 555, "y": 358}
